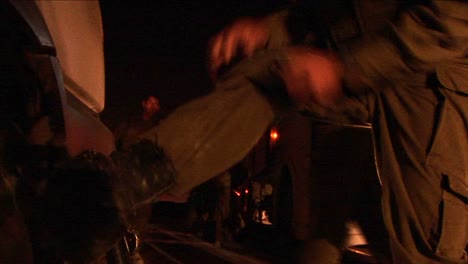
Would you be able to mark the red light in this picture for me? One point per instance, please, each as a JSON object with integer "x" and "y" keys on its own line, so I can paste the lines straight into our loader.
{"x": 246, "y": 191}
{"x": 274, "y": 135}
{"x": 237, "y": 193}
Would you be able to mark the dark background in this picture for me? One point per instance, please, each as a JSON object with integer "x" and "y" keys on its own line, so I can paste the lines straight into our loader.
{"x": 159, "y": 48}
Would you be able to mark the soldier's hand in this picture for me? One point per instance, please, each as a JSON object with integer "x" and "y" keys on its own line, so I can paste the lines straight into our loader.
{"x": 243, "y": 38}
{"x": 312, "y": 76}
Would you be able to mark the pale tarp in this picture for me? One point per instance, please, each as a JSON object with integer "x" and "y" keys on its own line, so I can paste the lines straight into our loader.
{"x": 76, "y": 29}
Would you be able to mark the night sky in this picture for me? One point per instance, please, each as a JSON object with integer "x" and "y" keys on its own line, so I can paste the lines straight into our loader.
{"x": 159, "y": 48}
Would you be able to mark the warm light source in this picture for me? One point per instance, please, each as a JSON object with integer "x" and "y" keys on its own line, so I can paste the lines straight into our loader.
{"x": 274, "y": 135}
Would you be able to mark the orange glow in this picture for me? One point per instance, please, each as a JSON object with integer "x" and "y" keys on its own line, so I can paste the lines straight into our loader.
{"x": 237, "y": 193}
{"x": 274, "y": 135}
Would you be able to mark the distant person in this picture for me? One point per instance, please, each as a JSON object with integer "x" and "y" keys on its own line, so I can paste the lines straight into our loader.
{"x": 127, "y": 131}
{"x": 150, "y": 108}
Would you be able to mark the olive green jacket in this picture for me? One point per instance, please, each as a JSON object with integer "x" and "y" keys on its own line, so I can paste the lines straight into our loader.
{"x": 406, "y": 74}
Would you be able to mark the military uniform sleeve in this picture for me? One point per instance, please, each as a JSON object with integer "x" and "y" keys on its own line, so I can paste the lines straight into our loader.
{"x": 421, "y": 39}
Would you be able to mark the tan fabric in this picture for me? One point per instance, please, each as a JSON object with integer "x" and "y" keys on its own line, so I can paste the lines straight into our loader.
{"x": 212, "y": 133}
{"x": 209, "y": 134}
{"x": 76, "y": 28}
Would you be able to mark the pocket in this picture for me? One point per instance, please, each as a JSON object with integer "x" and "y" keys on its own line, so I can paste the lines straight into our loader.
{"x": 448, "y": 151}
{"x": 454, "y": 219}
